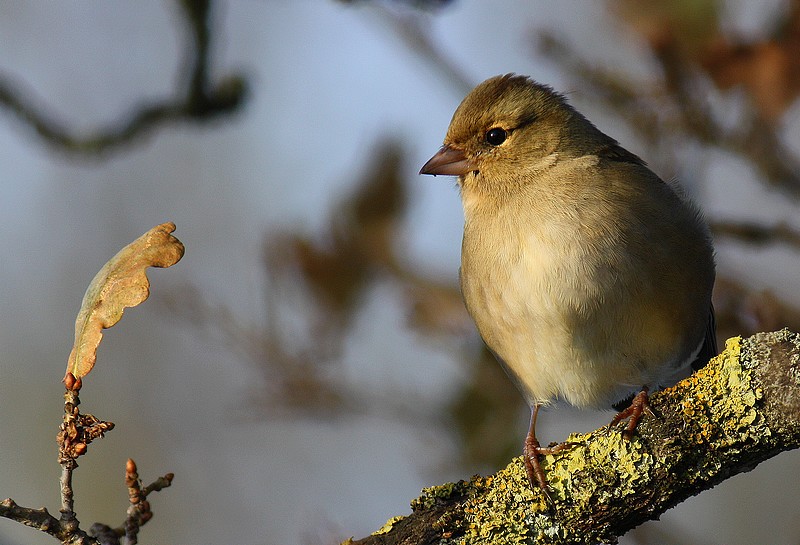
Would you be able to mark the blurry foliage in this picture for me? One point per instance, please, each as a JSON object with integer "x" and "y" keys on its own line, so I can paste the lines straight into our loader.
{"x": 688, "y": 34}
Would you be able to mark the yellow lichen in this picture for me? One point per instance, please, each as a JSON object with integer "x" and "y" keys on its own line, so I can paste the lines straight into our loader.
{"x": 430, "y": 495}
{"x": 386, "y": 528}
{"x": 723, "y": 407}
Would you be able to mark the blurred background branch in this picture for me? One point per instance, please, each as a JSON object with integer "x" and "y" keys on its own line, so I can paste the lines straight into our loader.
{"x": 200, "y": 100}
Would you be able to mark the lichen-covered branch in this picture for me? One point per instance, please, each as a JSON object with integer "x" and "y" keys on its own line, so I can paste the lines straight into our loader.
{"x": 741, "y": 409}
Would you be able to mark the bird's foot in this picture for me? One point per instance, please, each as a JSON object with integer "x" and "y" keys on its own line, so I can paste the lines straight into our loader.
{"x": 639, "y": 405}
{"x": 530, "y": 454}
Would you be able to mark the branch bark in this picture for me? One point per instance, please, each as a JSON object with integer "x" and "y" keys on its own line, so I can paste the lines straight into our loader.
{"x": 741, "y": 409}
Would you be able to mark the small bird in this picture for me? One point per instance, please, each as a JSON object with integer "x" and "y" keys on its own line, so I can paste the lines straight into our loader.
{"x": 587, "y": 276}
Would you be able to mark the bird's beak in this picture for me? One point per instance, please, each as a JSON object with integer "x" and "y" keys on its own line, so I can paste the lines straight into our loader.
{"x": 448, "y": 162}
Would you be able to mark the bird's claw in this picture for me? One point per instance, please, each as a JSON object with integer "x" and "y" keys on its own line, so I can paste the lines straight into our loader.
{"x": 533, "y": 467}
{"x": 639, "y": 405}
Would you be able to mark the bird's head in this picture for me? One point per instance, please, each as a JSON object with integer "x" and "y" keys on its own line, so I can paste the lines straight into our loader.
{"x": 507, "y": 126}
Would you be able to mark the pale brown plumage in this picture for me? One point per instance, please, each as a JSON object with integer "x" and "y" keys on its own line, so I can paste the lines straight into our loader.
{"x": 586, "y": 274}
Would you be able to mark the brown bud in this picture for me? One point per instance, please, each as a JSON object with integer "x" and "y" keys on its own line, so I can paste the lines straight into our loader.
{"x": 79, "y": 449}
{"x": 71, "y": 382}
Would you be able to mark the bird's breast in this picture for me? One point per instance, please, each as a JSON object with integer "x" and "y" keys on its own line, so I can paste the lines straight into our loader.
{"x": 569, "y": 311}
{"x": 523, "y": 293}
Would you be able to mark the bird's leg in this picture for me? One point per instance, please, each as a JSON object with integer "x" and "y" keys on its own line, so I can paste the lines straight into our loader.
{"x": 531, "y": 452}
{"x": 639, "y": 404}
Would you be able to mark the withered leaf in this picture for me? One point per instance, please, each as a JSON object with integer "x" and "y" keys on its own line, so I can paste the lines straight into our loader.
{"x": 121, "y": 283}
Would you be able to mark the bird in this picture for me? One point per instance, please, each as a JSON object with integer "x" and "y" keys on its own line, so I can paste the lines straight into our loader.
{"x": 588, "y": 276}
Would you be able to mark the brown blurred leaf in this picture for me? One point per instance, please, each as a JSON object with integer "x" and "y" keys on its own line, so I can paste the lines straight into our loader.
{"x": 337, "y": 265}
{"x": 335, "y": 273}
{"x": 675, "y": 108}
{"x": 486, "y": 418}
{"x": 768, "y": 68}
{"x": 121, "y": 283}
{"x": 769, "y": 71}
{"x": 437, "y": 309}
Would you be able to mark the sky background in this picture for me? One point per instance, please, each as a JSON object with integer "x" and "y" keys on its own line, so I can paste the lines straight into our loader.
{"x": 328, "y": 82}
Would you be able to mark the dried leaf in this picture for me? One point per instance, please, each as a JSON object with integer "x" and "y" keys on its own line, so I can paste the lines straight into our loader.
{"x": 121, "y": 283}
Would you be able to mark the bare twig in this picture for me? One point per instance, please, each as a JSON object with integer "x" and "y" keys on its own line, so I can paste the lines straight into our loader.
{"x": 76, "y": 432}
{"x": 139, "y": 509}
{"x": 41, "y": 519}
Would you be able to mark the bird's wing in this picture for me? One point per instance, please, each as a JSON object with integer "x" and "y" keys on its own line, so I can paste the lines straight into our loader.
{"x": 709, "y": 348}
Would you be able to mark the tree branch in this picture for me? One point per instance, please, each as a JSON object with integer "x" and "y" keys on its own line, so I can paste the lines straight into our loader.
{"x": 741, "y": 409}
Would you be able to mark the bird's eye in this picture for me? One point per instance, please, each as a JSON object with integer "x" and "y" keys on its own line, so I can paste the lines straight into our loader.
{"x": 496, "y": 136}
